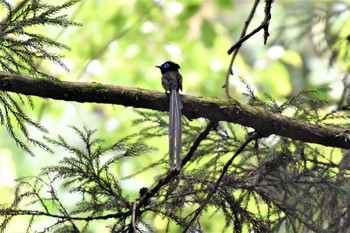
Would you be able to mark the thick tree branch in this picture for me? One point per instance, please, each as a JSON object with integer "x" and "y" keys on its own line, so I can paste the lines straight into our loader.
{"x": 265, "y": 123}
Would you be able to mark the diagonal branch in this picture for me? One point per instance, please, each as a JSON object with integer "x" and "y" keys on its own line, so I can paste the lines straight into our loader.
{"x": 199, "y": 210}
{"x": 265, "y": 123}
{"x": 171, "y": 174}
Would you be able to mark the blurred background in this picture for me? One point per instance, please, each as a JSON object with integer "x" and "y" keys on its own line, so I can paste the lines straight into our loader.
{"x": 121, "y": 41}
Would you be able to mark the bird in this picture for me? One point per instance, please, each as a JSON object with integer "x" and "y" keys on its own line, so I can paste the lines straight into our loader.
{"x": 172, "y": 84}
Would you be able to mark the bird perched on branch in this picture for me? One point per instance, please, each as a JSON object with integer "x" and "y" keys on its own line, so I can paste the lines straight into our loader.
{"x": 172, "y": 83}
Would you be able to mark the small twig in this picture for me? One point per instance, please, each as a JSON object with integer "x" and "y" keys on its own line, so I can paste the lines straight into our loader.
{"x": 264, "y": 25}
{"x": 134, "y": 216}
{"x": 237, "y": 46}
{"x": 252, "y": 33}
{"x": 18, "y": 212}
{"x": 224, "y": 171}
{"x": 268, "y": 5}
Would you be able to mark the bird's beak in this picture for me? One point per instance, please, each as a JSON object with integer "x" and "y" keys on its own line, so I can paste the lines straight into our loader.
{"x": 159, "y": 67}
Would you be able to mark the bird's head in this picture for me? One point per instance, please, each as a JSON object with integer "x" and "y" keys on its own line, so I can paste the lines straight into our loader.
{"x": 168, "y": 66}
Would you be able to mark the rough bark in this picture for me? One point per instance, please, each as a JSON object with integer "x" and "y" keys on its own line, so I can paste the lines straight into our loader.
{"x": 264, "y": 122}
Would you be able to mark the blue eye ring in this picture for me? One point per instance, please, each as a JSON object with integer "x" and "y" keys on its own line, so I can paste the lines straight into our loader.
{"x": 166, "y": 65}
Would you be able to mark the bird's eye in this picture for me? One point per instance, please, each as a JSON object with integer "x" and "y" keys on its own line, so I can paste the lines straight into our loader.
{"x": 166, "y": 65}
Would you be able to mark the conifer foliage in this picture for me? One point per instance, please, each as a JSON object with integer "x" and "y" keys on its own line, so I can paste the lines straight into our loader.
{"x": 21, "y": 52}
{"x": 249, "y": 181}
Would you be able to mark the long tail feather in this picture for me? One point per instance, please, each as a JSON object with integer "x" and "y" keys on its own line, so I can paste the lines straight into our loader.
{"x": 172, "y": 129}
{"x": 178, "y": 130}
{"x": 175, "y": 130}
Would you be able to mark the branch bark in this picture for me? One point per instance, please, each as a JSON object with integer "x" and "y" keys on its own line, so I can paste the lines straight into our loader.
{"x": 228, "y": 110}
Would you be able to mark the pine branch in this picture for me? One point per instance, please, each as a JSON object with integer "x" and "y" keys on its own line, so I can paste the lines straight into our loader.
{"x": 20, "y": 49}
{"x": 278, "y": 178}
{"x": 264, "y": 122}
{"x": 199, "y": 210}
{"x": 86, "y": 171}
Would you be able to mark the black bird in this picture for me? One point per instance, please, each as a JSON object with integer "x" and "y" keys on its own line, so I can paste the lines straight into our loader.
{"x": 172, "y": 83}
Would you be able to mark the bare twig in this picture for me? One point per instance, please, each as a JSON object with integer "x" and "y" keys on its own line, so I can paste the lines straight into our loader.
{"x": 252, "y": 33}
{"x": 134, "y": 216}
{"x": 18, "y": 212}
{"x": 236, "y": 48}
{"x": 268, "y": 5}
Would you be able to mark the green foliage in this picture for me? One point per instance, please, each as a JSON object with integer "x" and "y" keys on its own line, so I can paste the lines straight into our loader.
{"x": 269, "y": 186}
{"x": 305, "y": 104}
{"x": 88, "y": 172}
{"x": 21, "y": 50}
{"x": 232, "y": 179}
{"x": 10, "y": 112}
